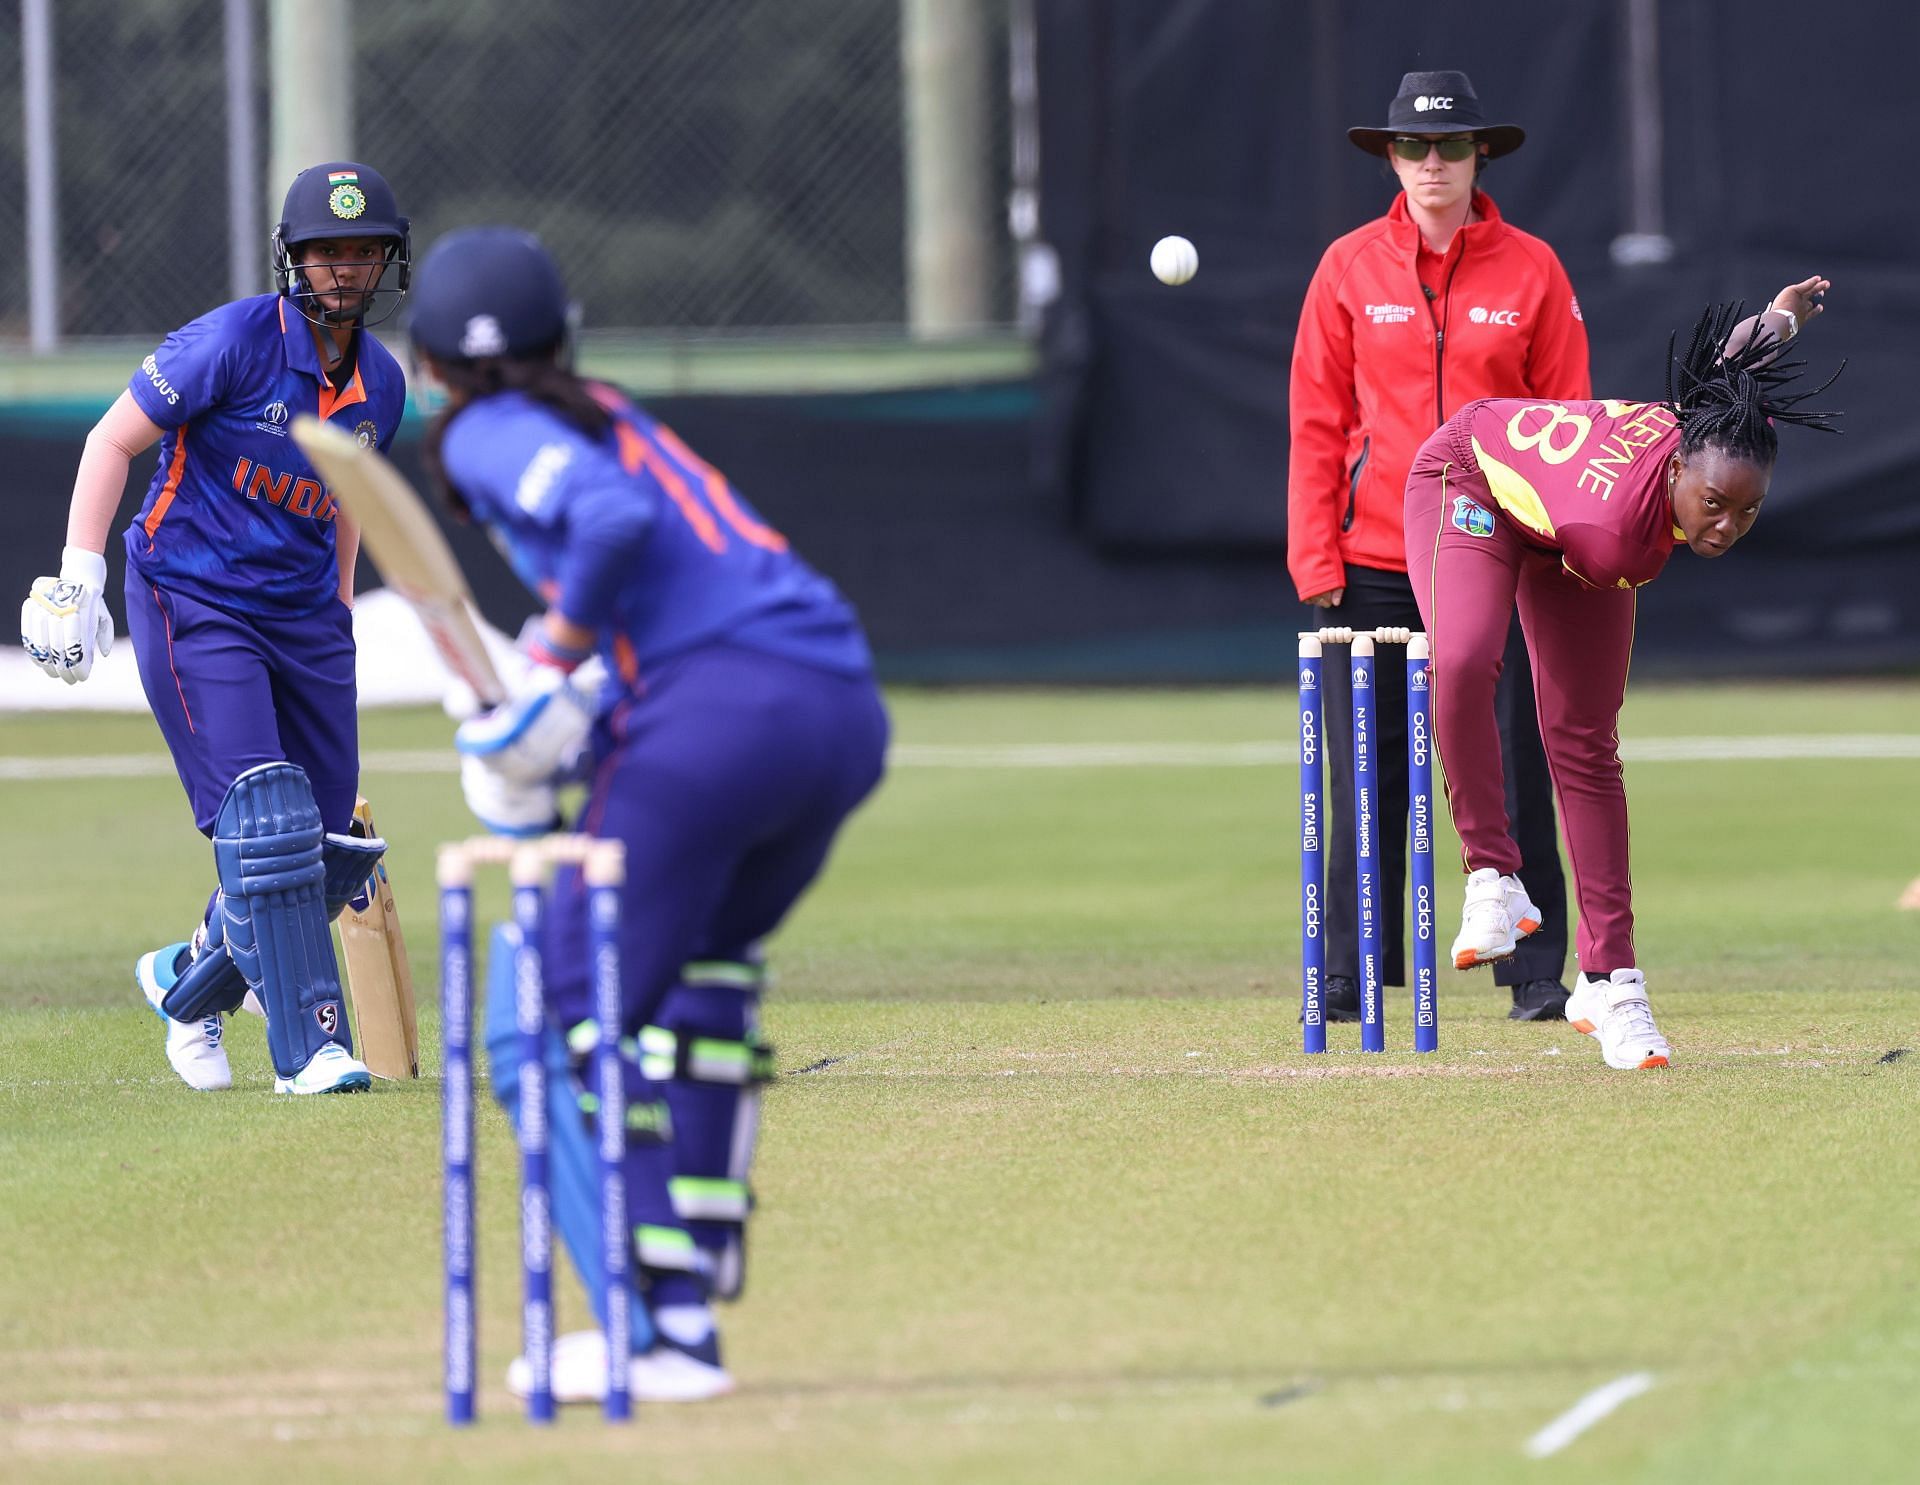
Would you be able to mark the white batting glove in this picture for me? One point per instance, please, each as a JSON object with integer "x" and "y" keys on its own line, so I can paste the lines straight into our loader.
{"x": 64, "y": 624}
{"x": 506, "y": 806}
{"x": 536, "y": 735}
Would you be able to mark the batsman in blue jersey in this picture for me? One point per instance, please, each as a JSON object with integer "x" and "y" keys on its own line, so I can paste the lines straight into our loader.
{"x": 738, "y": 728}
{"x": 239, "y": 588}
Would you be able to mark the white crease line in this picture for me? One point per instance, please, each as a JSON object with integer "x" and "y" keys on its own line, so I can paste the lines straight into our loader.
{"x": 1587, "y": 1412}
{"x": 1764, "y": 748}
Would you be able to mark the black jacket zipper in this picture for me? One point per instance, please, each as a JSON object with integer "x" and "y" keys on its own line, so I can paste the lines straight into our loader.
{"x": 1440, "y": 340}
{"x": 1353, "y": 482}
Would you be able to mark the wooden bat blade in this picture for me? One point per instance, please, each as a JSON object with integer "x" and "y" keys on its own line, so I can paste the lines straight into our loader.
{"x": 405, "y": 544}
{"x": 379, "y": 979}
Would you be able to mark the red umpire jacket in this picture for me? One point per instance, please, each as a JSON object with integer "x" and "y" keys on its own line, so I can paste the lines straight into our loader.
{"x": 1378, "y": 364}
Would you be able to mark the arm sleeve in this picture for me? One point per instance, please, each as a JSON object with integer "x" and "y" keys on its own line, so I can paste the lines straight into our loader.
{"x": 1603, "y": 558}
{"x": 606, "y": 525}
{"x": 1557, "y": 357}
{"x": 188, "y": 373}
{"x": 1321, "y": 414}
{"x": 391, "y": 418}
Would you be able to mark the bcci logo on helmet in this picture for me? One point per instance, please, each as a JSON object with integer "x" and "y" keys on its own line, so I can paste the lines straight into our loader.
{"x": 345, "y": 199}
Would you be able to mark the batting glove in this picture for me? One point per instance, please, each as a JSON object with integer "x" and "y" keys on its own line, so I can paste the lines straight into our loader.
{"x": 535, "y": 736}
{"x": 64, "y": 624}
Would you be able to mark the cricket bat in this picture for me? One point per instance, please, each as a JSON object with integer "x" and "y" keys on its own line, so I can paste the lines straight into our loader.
{"x": 406, "y": 546}
{"x": 378, "y": 979}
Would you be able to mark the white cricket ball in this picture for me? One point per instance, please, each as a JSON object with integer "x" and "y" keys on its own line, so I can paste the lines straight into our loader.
{"x": 1174, "y": 260}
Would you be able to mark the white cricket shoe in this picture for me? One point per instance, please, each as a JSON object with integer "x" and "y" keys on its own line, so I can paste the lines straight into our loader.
{"x": 1495, "y": 916}
{"x": 196, "y": 1049}
{"x": 663, "y": 1375}
{"x": 332, "y": 1069}
{"x": 1616, "y": 1011}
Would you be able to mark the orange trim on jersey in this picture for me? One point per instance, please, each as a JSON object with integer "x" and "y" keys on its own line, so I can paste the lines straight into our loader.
{"x": 636, "y": 456}
{"x": 720, "y": 493}
{"x": 332, "y": 401}
{"x": 626, "y": 660}
{"x": 175, "y": 468}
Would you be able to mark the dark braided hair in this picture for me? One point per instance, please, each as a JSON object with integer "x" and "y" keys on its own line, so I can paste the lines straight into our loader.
{"x": 542, "y": 378}
{"x": 1728, "y": 397}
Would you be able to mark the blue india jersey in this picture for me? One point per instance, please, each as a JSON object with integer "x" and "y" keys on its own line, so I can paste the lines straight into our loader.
{"x": 635, "y": 536}
{"x": 235, "y": 516}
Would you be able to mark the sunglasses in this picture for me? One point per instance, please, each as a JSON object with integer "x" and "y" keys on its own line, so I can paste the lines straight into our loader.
{"x": 1451, "y": 150}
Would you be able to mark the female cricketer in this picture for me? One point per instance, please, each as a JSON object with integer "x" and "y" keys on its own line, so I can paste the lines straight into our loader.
{"x": 239, "y": 584}
{"x": 1567, "y": 508}
{"x": 738, "y": 727}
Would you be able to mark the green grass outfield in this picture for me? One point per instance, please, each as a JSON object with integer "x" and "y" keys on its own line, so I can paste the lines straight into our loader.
{"x": 1069, "y": 1206}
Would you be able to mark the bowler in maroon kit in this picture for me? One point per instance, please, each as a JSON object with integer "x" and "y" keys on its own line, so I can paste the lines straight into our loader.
{"x": 1565, "y": 508}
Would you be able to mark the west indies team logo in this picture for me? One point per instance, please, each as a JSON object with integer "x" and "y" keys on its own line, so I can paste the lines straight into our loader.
{"x": 345, "y": 198}
{"x": 366, "y": 434}
{"x": 1471, "y": 517}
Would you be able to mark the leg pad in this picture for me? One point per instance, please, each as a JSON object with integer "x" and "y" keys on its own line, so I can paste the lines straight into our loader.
{"x": 269, "y": 847}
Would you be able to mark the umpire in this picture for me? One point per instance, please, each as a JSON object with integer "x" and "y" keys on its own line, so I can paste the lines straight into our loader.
{"x": 1436, "y": 304}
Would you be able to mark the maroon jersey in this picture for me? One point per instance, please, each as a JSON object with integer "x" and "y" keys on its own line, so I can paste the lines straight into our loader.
{"x": 1585, "y": 479}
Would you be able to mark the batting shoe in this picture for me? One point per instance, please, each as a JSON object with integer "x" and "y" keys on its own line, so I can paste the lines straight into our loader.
{"x": 196, "y": 1049}
{"x": 333, "y": 1069}
{"x": 666, "y": 1374}
{"x": 1495, "y": 916}
{"x": 1615, "y": 1010}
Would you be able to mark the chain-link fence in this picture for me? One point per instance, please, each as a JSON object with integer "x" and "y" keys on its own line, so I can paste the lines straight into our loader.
{"x": 696, "y": 164}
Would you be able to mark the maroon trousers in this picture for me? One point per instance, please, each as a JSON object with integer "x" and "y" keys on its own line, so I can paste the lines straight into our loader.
{"x": 1470, "y": 564}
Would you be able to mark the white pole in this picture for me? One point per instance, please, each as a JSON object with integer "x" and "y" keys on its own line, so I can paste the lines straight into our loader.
{"x": 944, "y": 80}
{"x": 1037, "y": 264}
{"x": 246, "y": 249}
{"x": 311, "y": 51}
{"x": 43, "y": 218}
{"x": 1645, "y": 240}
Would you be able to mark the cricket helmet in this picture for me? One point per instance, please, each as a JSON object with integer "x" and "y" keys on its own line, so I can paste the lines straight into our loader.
{"x": 486, "y": 292}
{"x": 339, "y": 200}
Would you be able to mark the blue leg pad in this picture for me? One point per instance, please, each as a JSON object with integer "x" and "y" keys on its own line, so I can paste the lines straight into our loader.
{"x": 267, "y": 844}
{"x": 706, "y": 1045}
{"x": 213, "y": 982}
{"x": 573, "y": 1162}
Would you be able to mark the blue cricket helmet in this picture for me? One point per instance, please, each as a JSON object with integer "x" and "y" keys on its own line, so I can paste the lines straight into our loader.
{"x": 489, "y": 291}
{"x": 336, "y": 200}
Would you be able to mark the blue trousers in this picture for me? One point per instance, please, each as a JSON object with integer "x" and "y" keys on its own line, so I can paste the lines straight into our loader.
{"x": 234, "y": 690}
{"x": 727, "y": 780}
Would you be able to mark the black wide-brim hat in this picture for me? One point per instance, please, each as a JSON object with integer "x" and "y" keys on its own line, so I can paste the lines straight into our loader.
{"x": 1438, "y": 103}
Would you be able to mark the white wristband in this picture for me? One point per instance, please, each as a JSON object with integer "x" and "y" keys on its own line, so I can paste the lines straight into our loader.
{"x": 78, "y": 565}
{"x": 1793, "y": 320}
